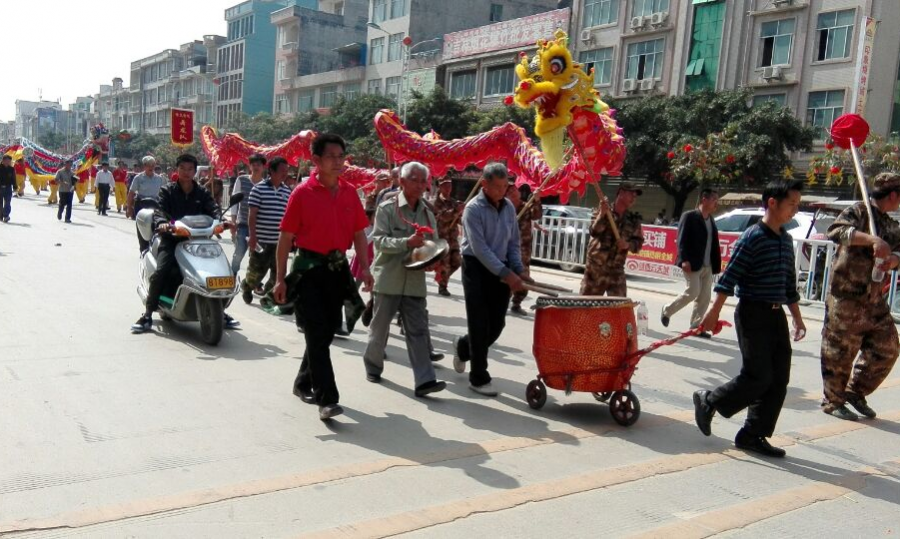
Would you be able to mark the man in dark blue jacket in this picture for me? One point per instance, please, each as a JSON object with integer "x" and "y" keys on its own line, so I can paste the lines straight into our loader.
{"x": 698, "y": 257}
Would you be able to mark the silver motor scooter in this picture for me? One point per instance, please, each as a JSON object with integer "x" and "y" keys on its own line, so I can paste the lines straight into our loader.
{"x": 207, "y": 284}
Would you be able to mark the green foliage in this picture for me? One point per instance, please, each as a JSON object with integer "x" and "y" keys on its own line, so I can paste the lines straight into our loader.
{"x": 139, "y": 145}
{"x": 354, "y": 119}
{"x": 267, "y": 129}
{"x": 836, "y": 165}
{"x": 54, "y": 141}
{"x": 450, "y": 118}
{"x": 487, "y": 120}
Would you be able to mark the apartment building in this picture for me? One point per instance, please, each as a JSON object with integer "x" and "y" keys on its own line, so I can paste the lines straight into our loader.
{"x": 319, "y": 54}
{"x": 112, "y": 106}
{"x": 245, "y": 63}
{"x": 809, "y": 55}
{"x": 479, "y": 64}
{"x": 7, "y": 132}
{"x": 27, "y": 116}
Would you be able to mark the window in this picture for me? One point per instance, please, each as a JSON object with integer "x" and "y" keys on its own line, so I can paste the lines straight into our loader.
{"x": 601, "y": 61}
{"x": 645, "y": 8}
{"x": 835, "y": 32}
{"x": 281, "y": 104}
{"x": 394, "y": 44}
{"x": 398, "y": 8}
{"x": 462, "y": 84}
{"x": 306, "y": 101}
{"x": 281, "y": 70}
{"x": 328, "y": 96}
{"x": 778, "y": 99}
{"x": 498, "y": 80}
{"x": 598, "y": 12}
{"x": 645, "y": 60}
{"x": 374, "y": 87}
{"x": 496, "y": 12}
{"x": 351, "y": 91}
{"x": 392, "y": 87}
{"x": 376, "y": 51}
{"x": 776, "y": 39}
{"x": 823, "y": 108}
{"x": 379, "y": 11}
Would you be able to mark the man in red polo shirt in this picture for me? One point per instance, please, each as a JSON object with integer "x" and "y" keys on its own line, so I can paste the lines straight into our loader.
{"x": 324, "y": 217}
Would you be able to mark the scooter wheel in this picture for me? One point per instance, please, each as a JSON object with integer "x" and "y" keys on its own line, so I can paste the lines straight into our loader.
{"x": 212, "y": 319}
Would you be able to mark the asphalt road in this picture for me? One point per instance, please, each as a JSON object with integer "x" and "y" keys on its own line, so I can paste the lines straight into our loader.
{"x": 108, "y": 434}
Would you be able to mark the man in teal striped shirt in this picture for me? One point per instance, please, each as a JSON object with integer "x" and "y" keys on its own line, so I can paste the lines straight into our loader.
{"x": 762, "y": 275}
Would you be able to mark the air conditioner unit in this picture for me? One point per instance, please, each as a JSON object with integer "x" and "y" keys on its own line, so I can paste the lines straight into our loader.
{"x": 647, "y": 85}
{"x": 637, "y": 23}
{"x": 659, "y": 18}
{"x": 772, "y": 73}
{"x": 629, "y": 85}
{"x": 782, "y": 3}
{"x": 586, "y": 36}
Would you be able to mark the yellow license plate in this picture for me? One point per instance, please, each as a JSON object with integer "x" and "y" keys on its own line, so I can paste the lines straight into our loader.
{"x": 218, "y": 283}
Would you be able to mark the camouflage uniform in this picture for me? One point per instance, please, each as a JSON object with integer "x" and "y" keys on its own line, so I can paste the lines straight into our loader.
{"x": 526, "y": 232}
{"x": 447, "y": 212}
{"x": 605, "y": 269}
{"x": 857, "y": 317}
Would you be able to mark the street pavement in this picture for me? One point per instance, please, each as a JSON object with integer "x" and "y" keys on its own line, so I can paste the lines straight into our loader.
{"x": 109, "y": 434}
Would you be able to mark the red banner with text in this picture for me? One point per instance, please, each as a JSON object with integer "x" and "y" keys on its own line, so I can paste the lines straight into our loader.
{"x": 182, "y": 127}
{"x": 657, "y": 257}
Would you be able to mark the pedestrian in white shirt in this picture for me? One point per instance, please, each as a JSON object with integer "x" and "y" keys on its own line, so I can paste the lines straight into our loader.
{"x": 104, "y": 182}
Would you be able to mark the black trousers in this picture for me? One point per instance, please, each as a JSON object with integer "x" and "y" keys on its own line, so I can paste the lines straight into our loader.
{"x": 166, "y": 268}
{"x": 765, "y": 343}
{"x": 143, "y": 245}
{"x": 487, "y": 300}
{"x": 103, "y": 193}
{"x": 320, "y": 299}
{"x": 65, "y": 201}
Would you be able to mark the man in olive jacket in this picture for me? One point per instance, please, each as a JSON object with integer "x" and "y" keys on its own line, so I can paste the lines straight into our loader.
{"x": 698, "y": 257}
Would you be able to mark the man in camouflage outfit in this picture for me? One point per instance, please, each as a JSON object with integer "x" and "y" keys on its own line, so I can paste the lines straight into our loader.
{"x": 382, "y": 182}
{"x": 604, "y": 272}
{"x": 526, "y": 232}
{"x": 448, "y": 213}
{"x": 857, "y": 318}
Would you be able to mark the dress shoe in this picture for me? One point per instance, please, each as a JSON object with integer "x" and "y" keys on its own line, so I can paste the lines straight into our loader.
{"x": 247, "y": 296}
{"x": 368, "y": 313}
{"x": 861, "y": 406}
{"x": 306, "y": 395}
{"x": 442, "y": 291}
{"x": 486, "y": 389}
{"x": 435, "y": 356}
{"x": 330, "y": 410}
{"x": 664, "y": 319}
{"x": 430, "y": 387}
{"x": 374, "y": 378}
{"x": 842, "y": 412}
{"x": 757, "y": 444}
{"x": 342, "y": 333}
{"x": 703, "y": 411}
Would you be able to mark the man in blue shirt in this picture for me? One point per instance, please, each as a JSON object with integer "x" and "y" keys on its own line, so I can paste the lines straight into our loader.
{"x": 762, "y": 275}
{"x": 492, "y": 269}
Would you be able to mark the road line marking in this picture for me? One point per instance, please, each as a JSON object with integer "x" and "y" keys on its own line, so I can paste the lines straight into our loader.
{"x": 761, "y": 509}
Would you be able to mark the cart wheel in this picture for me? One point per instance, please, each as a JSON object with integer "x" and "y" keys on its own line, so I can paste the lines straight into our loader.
{"x": 602, "y": 397}
{"x": 536, "y": 394}
{"x": 625, "y": 408}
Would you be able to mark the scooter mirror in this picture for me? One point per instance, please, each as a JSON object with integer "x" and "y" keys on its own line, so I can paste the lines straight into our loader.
{"x": 235, "y": 199}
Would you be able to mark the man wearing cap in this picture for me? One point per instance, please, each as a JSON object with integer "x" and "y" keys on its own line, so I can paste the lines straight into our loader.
{"x": 65, "y": 181}
{"x": 605, "y": 269}
{"x": 7, "y": 186}
{"x": 104, "y": 182}
{"x": 859, "y": 338}
{"x": 382, "y": 182}
{"x": 448, "y": 212}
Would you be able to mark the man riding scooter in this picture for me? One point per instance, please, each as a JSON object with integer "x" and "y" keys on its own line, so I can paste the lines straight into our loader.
{"x": 176, "y": 200}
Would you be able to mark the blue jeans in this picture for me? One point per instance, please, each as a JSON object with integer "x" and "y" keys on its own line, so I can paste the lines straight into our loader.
{"x": 6, "y": 193}
{"x": 240, "y": 247}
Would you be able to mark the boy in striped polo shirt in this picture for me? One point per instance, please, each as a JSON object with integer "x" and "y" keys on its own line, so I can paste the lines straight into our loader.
{"x": 268, "y": 200}
{"x": 762, "y": 275}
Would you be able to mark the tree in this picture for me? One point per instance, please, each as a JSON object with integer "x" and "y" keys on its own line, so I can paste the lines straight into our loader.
{"x": 353, "y": 119}
{"x": 139, "y": 145}
{"x": 487, "y": 120}
{"x": 53, "y": 141}
{"x": 760, "y": 136}
{"x": 436, "y": 111}
{"x": 836, "y": 165}
{"x": 264, "y": 128}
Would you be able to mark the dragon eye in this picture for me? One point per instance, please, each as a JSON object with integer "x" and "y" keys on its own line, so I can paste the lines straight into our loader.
{"x": 558, "y": 65}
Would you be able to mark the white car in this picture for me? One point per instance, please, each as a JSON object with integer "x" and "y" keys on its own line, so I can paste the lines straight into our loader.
{"x": 804, "y": 225}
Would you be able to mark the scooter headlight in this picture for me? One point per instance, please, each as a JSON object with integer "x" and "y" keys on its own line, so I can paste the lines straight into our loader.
{"x": 204, "y": 250}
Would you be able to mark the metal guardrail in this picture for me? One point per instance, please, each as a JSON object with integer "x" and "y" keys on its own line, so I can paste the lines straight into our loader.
{"x": 563, "y": 241}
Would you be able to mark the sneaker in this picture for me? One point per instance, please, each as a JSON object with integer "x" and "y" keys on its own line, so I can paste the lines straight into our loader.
{"x": 458, "y": 364}
{"x": 143, "y": 324}
{"x": 247, "y": 296}
{"x": 842, "y": 412}
{"x": 487, "y": 390}
{"x": 861, "y": 406}
{"x": 435, "y": 356}
{"x": 442, "y": 291}
{"x": 305, "y": 394}
{"x": 330, "y": 410}
{"x": 430, "y": 387}
{"x": 664, "y": 319}
{"x": 259, "y": 291}
{"x": 703, "y": 412}
{"x": 517, "y": 309}
{"x": 342, "y": 333}
{"x": 231, "y": 323}
{"x": 757, "y": 444}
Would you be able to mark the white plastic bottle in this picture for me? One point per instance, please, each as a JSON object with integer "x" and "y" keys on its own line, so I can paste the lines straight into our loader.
{"x": 643, "y": 318}
{"x": 877, "y": 272}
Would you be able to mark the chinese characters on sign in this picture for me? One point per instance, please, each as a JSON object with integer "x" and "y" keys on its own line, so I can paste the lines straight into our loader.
{"x": 505, "y": 35}
{"x": 657, "y": 257}
{"x": 182, "y": 127}
{"x": 863, "y": 66}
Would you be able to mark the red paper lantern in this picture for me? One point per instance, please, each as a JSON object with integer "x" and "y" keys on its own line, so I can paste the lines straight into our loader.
{"x": 849, "y": 128}
{"x": 407, "y": 41}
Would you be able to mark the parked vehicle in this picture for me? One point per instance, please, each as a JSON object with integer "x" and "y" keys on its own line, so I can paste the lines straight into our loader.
{"x": 565, "y": 229}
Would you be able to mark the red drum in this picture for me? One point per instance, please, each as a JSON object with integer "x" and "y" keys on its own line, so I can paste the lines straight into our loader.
{"x": 581, "y": 342}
